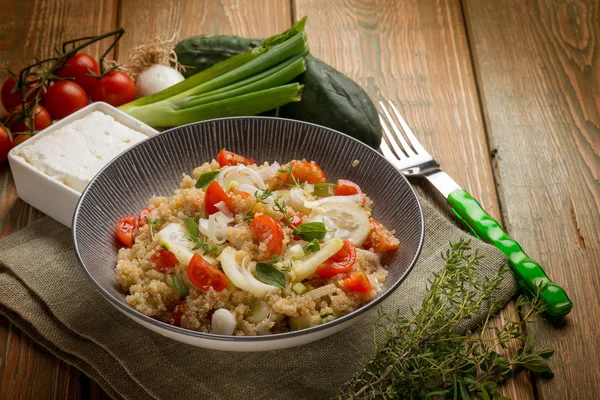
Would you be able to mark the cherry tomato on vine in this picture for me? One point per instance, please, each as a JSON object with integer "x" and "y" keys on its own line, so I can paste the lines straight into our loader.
{"x": 79, "y": 67}
{"x": 64, "y": 98}
{"x": 115, "y": 88}
{"x": 20, "y": 138}
{"x": 5, "y": 144}
{"x": 41, "y": 120}
{"x": 11, "y": 97}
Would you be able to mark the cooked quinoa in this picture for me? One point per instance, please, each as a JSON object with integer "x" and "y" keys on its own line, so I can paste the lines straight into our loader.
{"x": 257, "y": 241}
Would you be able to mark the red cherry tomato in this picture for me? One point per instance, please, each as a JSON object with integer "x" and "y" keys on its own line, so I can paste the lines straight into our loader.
{"x": 163, "y": 260}
{"x": 215, "y": 194}
{"x": 142, "y": 217}
{"x": 41, "y": 120}
{"x": 380, "y": 239}
{"x": 227, "y": 158}
{"x": 205, "y": 276}
{"x": 294, "y": 221}
{"x": 6, "y": 144}
{"x": 305, "y": 171}
{"x": 344, "y": 187}
{"x": 115, "y": 88}
{"x": 125, "y": 230}
{"x": 11, "y": 96}
{"x": 64, "y": 98}
{"x": 177, "y": 313}
{"x": 79, "y": 67}
{"x": 340, "y": 262}
{"x": 268, "y": 231}
{"x": 20, "y": 138}
{"x": 358, "y": 282}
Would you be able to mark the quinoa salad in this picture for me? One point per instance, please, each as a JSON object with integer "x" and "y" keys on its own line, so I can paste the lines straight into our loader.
{"x": 246, "y": 249}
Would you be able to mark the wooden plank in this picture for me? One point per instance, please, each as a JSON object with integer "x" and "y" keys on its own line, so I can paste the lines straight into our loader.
{"x": 539, "y": 72}
{"x": 31, "y": 29}
{"x": 415, "y": 53}
{"x": 184, "y": 18}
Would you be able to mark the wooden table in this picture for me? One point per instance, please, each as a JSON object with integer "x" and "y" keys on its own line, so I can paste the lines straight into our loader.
{"x": 505, "y": 93}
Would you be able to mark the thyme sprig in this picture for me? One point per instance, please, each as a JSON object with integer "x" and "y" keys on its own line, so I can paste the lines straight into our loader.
{"x": 289, "y": 169}
{"x": 152, "y": 223}
{"x": 428, "y": 353}
{"x": 260, "y": 198}
{"x": 280, "y": 206}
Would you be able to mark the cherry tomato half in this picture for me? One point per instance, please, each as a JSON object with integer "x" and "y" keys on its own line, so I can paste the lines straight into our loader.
{"x": 11, "y": 96}
{"x": 142, "y": 217}
{"x": 344, "y": 187}
{"x": 177, "y": 313}
{"x": 227, "y": 158}
{"x": 5, "y": 144}
{"x": 268, "y": 231}
{"x": 79, "y": 67}
{"x": 41, "y": 120}
{"x": 163, "y": 260}
{"x": 305, "y": 171}
{"x": 125, "y": 230}
{"x": 205, "y": 276}
{"x": 340, "y": 262}
{"x": 115, "y": 88}
{"x": 358, "y": 282}
{"x": 64, "y": 98}
{"x": 215, "y": 194}
{"x": 380, "y": 239}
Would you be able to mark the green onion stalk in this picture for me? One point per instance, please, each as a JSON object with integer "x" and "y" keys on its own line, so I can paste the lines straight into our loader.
{"x": 248, "y": 83}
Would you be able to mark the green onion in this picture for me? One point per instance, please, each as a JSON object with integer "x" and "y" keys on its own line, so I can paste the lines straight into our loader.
{"x": 249, "y": 83}
{"x": 324, "y": 189}
{"x": 299, "y": 288}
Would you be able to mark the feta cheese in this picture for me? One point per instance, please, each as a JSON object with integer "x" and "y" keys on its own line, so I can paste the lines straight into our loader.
{"x": 76, "y": 152}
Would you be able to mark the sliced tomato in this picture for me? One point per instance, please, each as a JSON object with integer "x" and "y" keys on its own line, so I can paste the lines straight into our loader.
{"x": 142, "y": 217}
{"x": 380, "y": 239}
{"x": 305, "y": 171}
{"x": 269, "y": 232}
{"x": 163, "y": 260}
{"x": 244, "y": 195}
{"x": 177, "y": 313}
{"x": 214, "y": 195}
{"x": 227, "y": 158}
{"x": 344, "y": 187}
{"x": 358, "y": 282}
{"x": 205, "y": 276}
{"x": 340, "y": 262}
{"x": 126, "y": 230}
{"x": 294, "y": 221}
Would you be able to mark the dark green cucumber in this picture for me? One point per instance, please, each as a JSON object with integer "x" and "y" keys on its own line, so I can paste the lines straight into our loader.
{"x": 330, "y": 98}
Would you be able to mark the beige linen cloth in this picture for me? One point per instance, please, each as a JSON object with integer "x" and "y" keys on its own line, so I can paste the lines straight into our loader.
{"x": 45, "y": 293}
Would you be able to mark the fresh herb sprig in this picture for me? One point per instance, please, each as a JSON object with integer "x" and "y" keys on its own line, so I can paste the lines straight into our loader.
{"x": 289, "y": 169}
{"x": 280, "y": 206}
{"x": 427, "y": 354}
{"x": 152, "y": 223}
{"x": 199, "y": 241}
{"x": 260, "y": 198}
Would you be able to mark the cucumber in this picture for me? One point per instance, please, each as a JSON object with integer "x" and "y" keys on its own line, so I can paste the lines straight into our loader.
{"x": 329, "y": 98}
{"x": 343, "y": 220}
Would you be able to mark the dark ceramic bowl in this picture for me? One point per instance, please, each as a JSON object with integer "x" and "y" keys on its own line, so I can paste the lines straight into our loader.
{"x": 154, "y": 167}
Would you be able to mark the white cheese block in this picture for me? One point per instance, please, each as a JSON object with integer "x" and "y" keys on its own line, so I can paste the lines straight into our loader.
{"x": 76, "y": 152}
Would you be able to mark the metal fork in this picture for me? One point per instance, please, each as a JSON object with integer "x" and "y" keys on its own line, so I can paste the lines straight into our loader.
{"x": 403, "y": 150}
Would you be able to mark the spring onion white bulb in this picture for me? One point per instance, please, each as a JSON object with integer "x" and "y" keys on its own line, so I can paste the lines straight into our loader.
{"x": 155, "y": 79}
{"x": 240, "y": 273}
{"x": 223, "y": 322}
{"x": 215, "y": 227}
{"x": 241, "y": 174}
{"x": 270, "y": 171}
{"x": 299, "y": 198}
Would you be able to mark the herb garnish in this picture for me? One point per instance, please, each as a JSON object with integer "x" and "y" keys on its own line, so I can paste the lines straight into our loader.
{"x": 289, "y": 168}
{"x": 280, "y": 206}
{"x": 152, "y": 224}
{"x": 206, "y": 178}
{"x": 270, "y": 275}
{"x": 260, "y": 198}
{"x": 310, "y": 231}
{"x": 313, "y": 246}
{"x": 179, "y": 285}
{"x": 199, "y": 242}
{"x": 426, "y": 354}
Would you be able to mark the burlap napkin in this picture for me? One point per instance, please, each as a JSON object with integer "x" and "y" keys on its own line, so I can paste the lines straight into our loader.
{"x": 45, "y": 293}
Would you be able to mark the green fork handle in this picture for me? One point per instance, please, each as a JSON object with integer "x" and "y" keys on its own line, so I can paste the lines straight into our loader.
{"x": 528, "y": 273}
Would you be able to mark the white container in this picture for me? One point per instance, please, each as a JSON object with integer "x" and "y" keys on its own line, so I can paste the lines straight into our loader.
{"x": 47, "y": 194}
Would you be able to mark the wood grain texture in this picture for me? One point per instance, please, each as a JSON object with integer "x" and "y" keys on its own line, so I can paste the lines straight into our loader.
{"x": 538, "y": 65}
{"x": 31, "y": 29}
{"x": 415, "y": 53}
{"x": 184, "y": 18}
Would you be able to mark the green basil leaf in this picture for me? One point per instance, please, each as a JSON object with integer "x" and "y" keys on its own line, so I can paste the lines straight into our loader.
{"x": 266, "y": 273}
{"x": 310, "y": 231}
{"x": 206, "y": 178}
{"x": 179, "y": 285}
{"x": 191, "y": 227}
{"x": 313, "y": 246}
